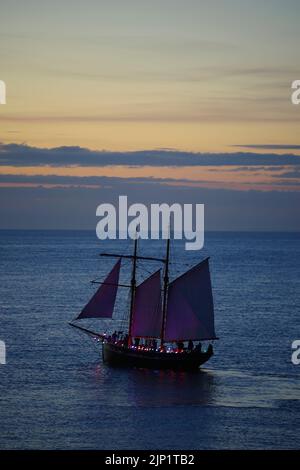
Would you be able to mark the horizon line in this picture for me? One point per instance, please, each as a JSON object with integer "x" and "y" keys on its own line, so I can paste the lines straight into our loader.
{"x": 93, "y": 230}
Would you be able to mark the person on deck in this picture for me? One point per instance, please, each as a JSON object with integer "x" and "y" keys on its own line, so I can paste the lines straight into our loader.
{"x": 190, "y": 345}
{"x": 126, "y": 340}
{"x": 114, "y": 336}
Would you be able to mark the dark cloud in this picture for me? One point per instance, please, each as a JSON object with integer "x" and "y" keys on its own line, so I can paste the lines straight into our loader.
{"x": 71, "y": 201}
{"x": 294, "y": 173}
{"x": 24, "y": 155}
{"x": 269, "y": 146}
{"x": 109, "y": 182}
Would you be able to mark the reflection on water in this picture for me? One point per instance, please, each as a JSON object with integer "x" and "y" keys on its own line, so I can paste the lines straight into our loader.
{"x": 206, "y": 387}
{"x": 144, "y": 387}
{"x": 167, "y": 388}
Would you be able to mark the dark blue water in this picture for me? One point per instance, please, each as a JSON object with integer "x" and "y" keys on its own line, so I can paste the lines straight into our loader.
{"x": 56, "y": 393}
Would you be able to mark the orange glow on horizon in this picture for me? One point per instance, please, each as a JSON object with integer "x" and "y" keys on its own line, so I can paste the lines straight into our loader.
{"x": 230, "y": 177}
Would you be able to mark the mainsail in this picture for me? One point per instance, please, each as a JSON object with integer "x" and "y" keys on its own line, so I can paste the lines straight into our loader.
{"x": 190, "y": 311}
{"x": 102, "y": 303}
{"x": 147, "y": 311}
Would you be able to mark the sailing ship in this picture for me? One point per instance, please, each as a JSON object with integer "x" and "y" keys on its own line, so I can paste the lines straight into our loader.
{"x": 163, "y": 315}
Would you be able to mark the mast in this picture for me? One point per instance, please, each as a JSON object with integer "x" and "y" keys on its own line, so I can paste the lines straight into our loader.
{"x": 132, "y": 287}
{"x": 165, "y": 291}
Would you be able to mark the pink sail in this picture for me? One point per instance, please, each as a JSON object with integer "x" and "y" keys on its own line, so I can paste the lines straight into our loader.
{"x": 102, "y": 303}
{"x": 190, "y": 310}
{"x": 147, "y": 311}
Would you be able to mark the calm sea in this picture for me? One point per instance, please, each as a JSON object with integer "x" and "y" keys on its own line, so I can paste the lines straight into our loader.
{"x": 56, "y": 393}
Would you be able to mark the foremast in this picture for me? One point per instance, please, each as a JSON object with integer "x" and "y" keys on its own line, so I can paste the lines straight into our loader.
{"x": 165, "y": 291}
{"x": 133, "y": 286}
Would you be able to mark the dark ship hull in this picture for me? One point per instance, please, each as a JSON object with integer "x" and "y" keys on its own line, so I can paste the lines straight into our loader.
{"x": 120, "y": 356}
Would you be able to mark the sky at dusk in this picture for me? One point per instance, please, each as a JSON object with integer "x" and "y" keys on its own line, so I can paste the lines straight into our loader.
{"x": 165, "y": 101}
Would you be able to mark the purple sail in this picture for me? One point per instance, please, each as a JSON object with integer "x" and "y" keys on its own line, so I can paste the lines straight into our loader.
{"x": 190, "y": 310}
{"x": 102, "y": 303}
{"x": 147, "y": 312}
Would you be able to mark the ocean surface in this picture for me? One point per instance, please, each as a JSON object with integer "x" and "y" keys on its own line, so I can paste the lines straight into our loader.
{"x": 55, "y": 393}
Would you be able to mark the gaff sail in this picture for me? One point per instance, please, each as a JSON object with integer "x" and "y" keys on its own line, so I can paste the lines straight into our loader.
{"x": 190, "y": 310}
{"x": 147, "y": 310}
{"x": 102, "y": 303}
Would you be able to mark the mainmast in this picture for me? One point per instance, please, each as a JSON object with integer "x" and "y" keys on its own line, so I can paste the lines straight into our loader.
{"x": 132, "y": 287}
{"x": 165, "y": 291}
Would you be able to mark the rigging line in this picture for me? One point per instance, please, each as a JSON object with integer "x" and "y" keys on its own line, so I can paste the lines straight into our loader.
{"x": 124, "y": 246}
{"x": 125, "y": 262}
{"x": 92, "y": 340}
{"x": 147, "y": 271}
{"x": 181, "y": 264}
{"x": 127, "y": 245}
{"x": 109, "y": 284}
{"x": 171, "y": 255}
{"x": 98, "y": 280}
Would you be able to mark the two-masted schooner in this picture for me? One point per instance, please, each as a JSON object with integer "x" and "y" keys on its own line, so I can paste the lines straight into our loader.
{"x": 161, "y": 314}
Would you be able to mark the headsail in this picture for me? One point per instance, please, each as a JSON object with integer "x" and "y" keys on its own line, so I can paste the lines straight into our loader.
{"x": 102, "y": 303}
{"x": 190, "y": 311}
{"x": 147, "y": 311}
